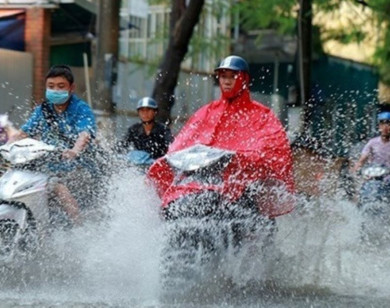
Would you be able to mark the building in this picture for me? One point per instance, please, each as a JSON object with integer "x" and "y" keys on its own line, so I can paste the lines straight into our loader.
{"x": 142, "y": 44}
{"x": 35, "y": 35}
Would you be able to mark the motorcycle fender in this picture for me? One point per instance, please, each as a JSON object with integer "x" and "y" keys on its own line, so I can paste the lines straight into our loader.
{"x": 9, "y": 212}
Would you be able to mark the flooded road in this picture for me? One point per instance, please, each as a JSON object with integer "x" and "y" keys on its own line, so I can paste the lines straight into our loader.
{"x": 319, "y": 261}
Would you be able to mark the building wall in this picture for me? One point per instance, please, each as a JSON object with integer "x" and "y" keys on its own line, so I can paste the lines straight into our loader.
{"x": 37, "y": 38}
{"x": 15, "y": 84}
{"x": 146, "y": 38}
{"x": 142, "y": 46}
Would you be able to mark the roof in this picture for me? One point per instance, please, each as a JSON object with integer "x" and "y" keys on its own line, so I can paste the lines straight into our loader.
{"x": 266, "y": 46}
{"x": 89, "y": 5}
{"x": 8, "y": 13}
{"x": 28, "y": 3}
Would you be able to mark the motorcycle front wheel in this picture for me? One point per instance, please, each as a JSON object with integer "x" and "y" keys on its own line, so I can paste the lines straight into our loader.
{"x": 8, "y": 232}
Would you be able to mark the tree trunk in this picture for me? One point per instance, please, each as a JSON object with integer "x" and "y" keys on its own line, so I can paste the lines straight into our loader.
{"x": 184, "y": 18}
{"x": 106, "y": 53}
{"x": 304, "y": 40}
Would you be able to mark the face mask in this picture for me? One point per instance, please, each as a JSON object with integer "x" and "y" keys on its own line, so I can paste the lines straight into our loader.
{"x": 57, "y": 97}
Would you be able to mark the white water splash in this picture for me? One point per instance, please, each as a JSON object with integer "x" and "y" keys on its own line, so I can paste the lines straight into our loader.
{"x": 117, "y": 263}
{"x": 114, "y": 261}
{"x": 320, "y": 246}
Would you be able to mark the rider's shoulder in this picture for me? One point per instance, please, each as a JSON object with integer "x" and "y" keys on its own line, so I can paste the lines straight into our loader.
{"x": 161, "y": 126}
{"x": 376, "y": 139}
{"x": 210, "y": 107}
{"x": 39, "y": 107}
{"x": 260, "y": 106}
{"x": 135, "y": 128}
{"x": 79, "y": 101}
{"x": 79, "y": 104}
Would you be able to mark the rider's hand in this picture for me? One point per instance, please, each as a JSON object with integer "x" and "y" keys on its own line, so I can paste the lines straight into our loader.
{"x": 70, "y": 154}
{"x": 16, "y": 136}
{"x": 354, "y": 169}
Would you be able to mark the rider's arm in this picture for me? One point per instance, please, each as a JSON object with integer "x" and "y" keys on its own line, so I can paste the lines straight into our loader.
{"x": 168, "y": 136}
{"x": 80, "y": 144}
{"x": 362, "y": 160}
{"x": 366, "y": 153}
{"x": 32, "y": 126}
{"x": 18, "y": 135}
{"x": 86, "y": 128}
{"x": 124, "y": 144}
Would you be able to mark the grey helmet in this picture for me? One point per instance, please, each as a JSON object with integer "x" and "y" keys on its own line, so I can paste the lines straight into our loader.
{"x": 234, "y": 63}
{"x": 147, "y": 102}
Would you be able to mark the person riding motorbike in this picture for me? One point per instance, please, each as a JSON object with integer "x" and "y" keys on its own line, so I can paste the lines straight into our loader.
{"x": 237, "y": 123}
{"x": 149, "y": 138}
{"x": 377, "y": 149}
{"x": 67, "y": 122}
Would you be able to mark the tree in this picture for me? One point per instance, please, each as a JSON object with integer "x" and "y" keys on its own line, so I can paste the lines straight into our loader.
{"x": 284, "y": 15}
{"x": 184, "y": 17}
{"x": 304, "y": 58}
{"x": 107, "y": 45}
{"x": 381, "y": 10}
{"x": 287, "y": 16}
{"x": 261, "y": 14}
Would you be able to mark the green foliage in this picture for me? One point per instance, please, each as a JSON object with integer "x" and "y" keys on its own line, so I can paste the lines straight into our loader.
{"x": 282, "y": 16}
{"x": 265, "y": 14}
{"x": 381, "y": 10}
{"x": 154, "y": 2}
{"x": 346, "y": 36}
{"x": 202, "y": 44}
{"x": 329, "y": 5}
{"x": 382, "y": 59}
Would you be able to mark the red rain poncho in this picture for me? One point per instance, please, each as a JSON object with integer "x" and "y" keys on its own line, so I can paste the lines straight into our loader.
{"x": 246, "y": 127}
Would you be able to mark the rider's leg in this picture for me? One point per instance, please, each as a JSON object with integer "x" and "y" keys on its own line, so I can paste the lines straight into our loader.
{"x": 67, "y": 201}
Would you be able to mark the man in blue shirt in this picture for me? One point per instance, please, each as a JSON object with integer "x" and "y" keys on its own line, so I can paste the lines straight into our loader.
{"x": 68, "y": 123}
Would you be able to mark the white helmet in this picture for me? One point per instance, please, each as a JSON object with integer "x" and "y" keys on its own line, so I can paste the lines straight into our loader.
{"x": 147, "y": 102}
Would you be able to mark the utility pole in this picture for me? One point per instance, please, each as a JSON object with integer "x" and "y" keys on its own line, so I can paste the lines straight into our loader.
{"x": 304, "y": 60}
{"x": 104, "y": 61}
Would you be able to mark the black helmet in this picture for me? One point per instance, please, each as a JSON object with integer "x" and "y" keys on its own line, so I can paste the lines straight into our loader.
{"x": 147, "y": 102}
{"x": 234, "y": 63}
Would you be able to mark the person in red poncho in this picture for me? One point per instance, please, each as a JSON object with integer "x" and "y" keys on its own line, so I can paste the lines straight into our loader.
{"x": 236, "y": 122}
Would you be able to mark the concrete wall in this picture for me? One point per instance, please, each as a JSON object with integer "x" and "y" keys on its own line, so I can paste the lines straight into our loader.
{"x": 15, "y": 84}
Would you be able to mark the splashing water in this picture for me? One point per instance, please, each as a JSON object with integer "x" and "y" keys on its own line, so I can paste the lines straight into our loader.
{"x": 318, "y": 257}
{"x": 109, "y": 262}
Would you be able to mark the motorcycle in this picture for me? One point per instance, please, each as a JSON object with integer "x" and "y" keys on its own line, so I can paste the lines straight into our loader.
{"x": 25, "y": 214}
{"x": 203, "y": 219}
{"x": 375, "y": 188}
{"x": 374, "y": 198}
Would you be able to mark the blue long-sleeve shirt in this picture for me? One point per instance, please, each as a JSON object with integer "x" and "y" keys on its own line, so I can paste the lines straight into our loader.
{"x": 64, "y": 128}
